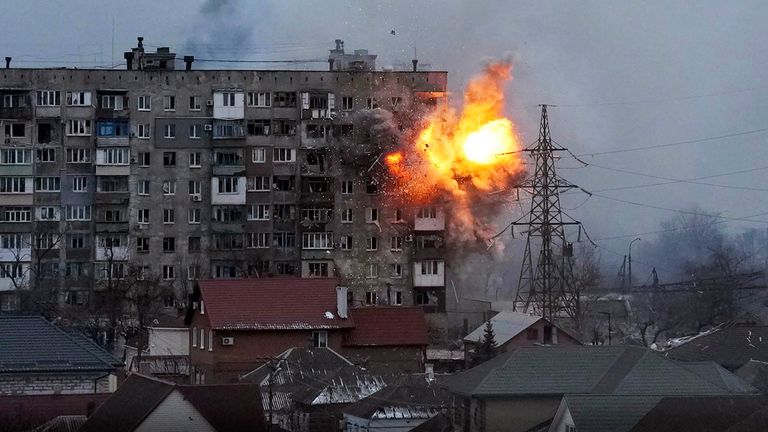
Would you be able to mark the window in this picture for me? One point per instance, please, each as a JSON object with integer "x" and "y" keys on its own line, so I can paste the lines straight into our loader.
{"x": 345, "y": 242}
{"x": 194, "y": 341}
{"x": 430, "y": 267}
{"x": 78, "y": 213}
{"x": 373, "y": 270}
{"x": 17, "y": 214}
{"x": 317, "y": 240}
{"x": 227, "y": 214}
{"x": 79, "y": 184}
{"x": 169, "y": 159}
{"x": 142, "y": 187}
{"x": 111, "y": 215}
{"x": 76, "y": 241}
{"x": 227, "y": 241}
{"x": 193, "y": 272}
{"x": 46, "y": 155}
{"x": 318, "y": 269}
{"x": 194, "y": 187}
{"x": 284, "y": 127}
{"x": 13, "y": 185}
{"x": 11, "y": 270}
{"x": 170, "y": 131}
{"x": 195, "y": 160}
{"x": 210, "y": 343}
{"x": 48, "y": 213}
{"x": 259, "y": 127}
{"x": 258, "y": 212}
{"x": 395, "y": 243}
{"x": 397, "y": 270}
{"x": 372, "y": 243}
{"x": 75, "y": 98}
{"x": 570, "y": 428}
{"x": 142, "y": 244}
{"x": 113, "y": 102}
{"x": 371, "y": 103}
{"x": 258, "y": 184}
{"x": 259, "y": 240}
{"x": 259, "y": 155}
{"x": 143, "y": 130}
{"x": 15, "y": 130}
{"x": 347, "y": 103}
{"x": 427, "y": 213}
{"x": 144, "y": 158}
{"x": 371, "y": 215}
{"x": 195, "y": 130}
{"x": 284, "y": 239}
{"x": 259, "y": 99}
{"x": 169, "y": 187}
{"x": 194, "y": 103}
{"x": 79, "y": 127}
{"x": 284, "y": 99}
{"x": 142, "y": 216}
{"x": 284, "y": 155}
{"x": 228, "y": 184}
{"x": 113, "y": 156}
{"x": 320, "y": 339}
{"x": 169, "y": 216}
{"x": 371, "y": 298}
{"x": 169, "y": 272}
{"x": 228, "y": 99}
{"x": 169, "y": 103}
{"x": 193, "y": 216}
{"x": 14, "y": 100}
{"x": 15, "y": 157}
{"x": 48, "y": 98}
{"x": 14, "y": 241}
{"x": 145, "y": 103}
{"x": 169, "y": 244}
{"x": 346, "y": 215}
{"x": 193, "y": 244}
{"x": 202, "y": 339}
{"x": 372, "y": 187}
{"x": 346, "y": 187}
{"x": 47, "y": 241}
{"x": 44, "y": 132}
{"x": 232, "y": 158}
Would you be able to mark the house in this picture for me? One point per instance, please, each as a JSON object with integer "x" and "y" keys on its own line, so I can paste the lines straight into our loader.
{"x": 600, "y": 413}
{"x": 148, "y": 404}
{"x": 524, "y": 389}
{"x": 400, "y": 407}
{"x": 732, "y": 413}
{"x": 37, "y": 357}
{"x": 756, "y": 374}
{"x": 310, "y": 387}
{"x": 515, "y": 329}
{"x": 387, "y": 338}
{"x": 731, "y": 346}
{"x": 167, "y": 350}
{"x": 236, "y": 325}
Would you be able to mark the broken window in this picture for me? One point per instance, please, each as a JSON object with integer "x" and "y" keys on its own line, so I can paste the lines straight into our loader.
{"x": 284, "y": 99}
{"x": 318, "y": 131}
{"x": 258, "y": 127}
{"x": 372, "y": 187}
{"x": 343, "y": 130}
{"x": 284, "y": 183}
{"x": 284, "y": 127}
{"x": 284, "y": 212}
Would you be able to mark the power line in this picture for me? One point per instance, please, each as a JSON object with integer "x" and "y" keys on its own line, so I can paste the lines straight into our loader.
{"x": 678, "y": 143}
{"x": 661, "y": 100}
{"x": 261, "y": 61}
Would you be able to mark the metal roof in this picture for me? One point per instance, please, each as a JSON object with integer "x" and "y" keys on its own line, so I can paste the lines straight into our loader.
{"x": 506, "y": 325}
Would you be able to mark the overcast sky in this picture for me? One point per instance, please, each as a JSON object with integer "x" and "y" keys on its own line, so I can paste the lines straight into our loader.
{"x": 624, "y": 74}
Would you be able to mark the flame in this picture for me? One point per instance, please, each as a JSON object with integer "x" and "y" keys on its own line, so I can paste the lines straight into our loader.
{"x": 461, "y": 152}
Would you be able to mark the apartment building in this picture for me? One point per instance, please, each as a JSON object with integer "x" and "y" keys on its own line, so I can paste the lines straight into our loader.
{"x": 183, "y": 173}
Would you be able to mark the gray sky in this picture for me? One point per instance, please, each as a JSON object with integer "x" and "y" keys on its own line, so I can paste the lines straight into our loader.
{"x": 625, "y": 74}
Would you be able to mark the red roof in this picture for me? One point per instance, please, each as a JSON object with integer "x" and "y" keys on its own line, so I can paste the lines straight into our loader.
{"x": 388, "y": 326}
{"x": 272, "y": 304}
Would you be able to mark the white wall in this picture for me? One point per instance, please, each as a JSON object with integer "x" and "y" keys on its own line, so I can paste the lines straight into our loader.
{"x": 168, "y": 341}
{"x": 232, "y": 199}
{"x": 429, "y": 280}
{"x": 228, "y": 112}
{"x": 174, "y": 414}
{"x": 430, "y": 224}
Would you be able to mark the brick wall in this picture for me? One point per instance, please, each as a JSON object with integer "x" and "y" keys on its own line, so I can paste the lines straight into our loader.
{"x": 64, "y": 383}
{"x": 405, "y": 358}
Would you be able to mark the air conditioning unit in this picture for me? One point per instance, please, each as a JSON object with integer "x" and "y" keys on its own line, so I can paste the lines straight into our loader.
{"x": 228, "y": 341}
{"x": 209, "y": 102}
{"x": 408, "y": 238}
{"x": 197, "y": 198}
{"x": 208, "y": 127}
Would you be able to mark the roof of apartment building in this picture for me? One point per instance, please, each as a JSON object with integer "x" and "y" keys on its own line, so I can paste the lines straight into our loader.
{"x": 271, "y": 304}
{"x": 733, "y": 413}
{"x": 226, "y": 407}
{"x": 34, "y": 344}
{"x": 622, "y": 370}
{"x": 731, "y": 346}
{"x": 388, "y": 326}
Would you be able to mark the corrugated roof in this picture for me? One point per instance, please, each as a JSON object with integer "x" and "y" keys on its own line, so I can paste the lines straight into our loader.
{"x": 388, "y": 326}
{"x": 272, "y": 304}
{"x": 410, "y": 398}
{"x": 608, "y": 413}
{"x": 506, "y": 325}
{"x": 31, "y": 343}
{"x": 731, "y": 347}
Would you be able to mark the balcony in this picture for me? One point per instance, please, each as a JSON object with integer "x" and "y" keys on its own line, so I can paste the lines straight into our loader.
{"x": 113, "y": 253}
{"x": 48, "y": 112}
{"x": 16, "y": 113}
{"x": 112, "y": 141}
{"x": 429, "y": 273}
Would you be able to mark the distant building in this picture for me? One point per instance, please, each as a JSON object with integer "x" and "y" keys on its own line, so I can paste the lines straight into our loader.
{"x": 148, "y": 404}
{"x": 37, "y": 358}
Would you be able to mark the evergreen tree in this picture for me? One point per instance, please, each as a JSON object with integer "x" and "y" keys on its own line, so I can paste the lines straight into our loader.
{"x": 486, "y": 347}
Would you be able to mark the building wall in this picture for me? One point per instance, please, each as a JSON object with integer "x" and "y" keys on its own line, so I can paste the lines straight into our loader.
{"x": 403, "y": 358}
{"x": 212, "y": 258}
{"x": 168, "y": 341}
{"x": 503, "y": 414}
{"x": 175, "y": 413}
{"x": 558, "y": 338}
{"x": 55, "y": 383}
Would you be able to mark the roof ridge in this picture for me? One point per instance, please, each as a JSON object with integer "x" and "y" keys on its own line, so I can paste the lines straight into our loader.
{"x": 618, "y": 371}
{"x": 89, "y": 342}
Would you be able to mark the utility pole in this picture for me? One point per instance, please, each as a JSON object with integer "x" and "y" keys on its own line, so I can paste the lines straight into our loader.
{"x": 630, "y": 260}
{"x": 547, "y": 287}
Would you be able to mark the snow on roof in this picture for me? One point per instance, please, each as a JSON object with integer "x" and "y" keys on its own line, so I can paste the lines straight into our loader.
{"x": 506, "y": 325}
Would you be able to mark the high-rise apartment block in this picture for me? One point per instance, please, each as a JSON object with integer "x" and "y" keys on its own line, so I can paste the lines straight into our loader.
{"x": 186, "y": 174}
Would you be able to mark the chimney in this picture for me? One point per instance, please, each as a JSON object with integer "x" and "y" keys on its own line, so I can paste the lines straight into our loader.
{"x": 341, "y": 301}
{"x": 415, "y": 64}
{"x": 8, "y": 62}
{"x": 188, "y": 60}
{"x": 141, "y": 42}
{"x": 429, "y": 370}
{"x": 128, "y": 60}
{"x": 339, "y": 45}
{"x": 330, "y": 64}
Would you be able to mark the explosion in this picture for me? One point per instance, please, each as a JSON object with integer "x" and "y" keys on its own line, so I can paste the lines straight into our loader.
{"x": 459, "y": 157}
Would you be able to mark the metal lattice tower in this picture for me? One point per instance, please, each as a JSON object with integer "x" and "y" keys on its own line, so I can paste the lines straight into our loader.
{"x": 547, "y": 288}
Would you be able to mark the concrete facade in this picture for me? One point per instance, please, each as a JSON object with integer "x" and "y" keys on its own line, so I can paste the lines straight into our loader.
{"x": 184, "y": 174}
